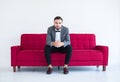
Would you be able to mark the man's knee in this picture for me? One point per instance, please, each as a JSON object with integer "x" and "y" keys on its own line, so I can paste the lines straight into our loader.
{"x": 69, "y": 48}
{"x": 47, "y": 48}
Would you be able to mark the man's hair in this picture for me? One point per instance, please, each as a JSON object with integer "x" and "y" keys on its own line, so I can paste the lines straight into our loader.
{"x": 57, "y": 18}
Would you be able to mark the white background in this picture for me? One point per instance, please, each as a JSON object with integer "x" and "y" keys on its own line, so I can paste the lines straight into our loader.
{"x": 101, "y": 17}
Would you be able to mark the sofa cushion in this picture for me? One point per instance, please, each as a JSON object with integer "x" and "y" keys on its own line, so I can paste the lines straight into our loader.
{"x": 81, "y": 55}
{"x": 33, "y": 41}
{"x": 31, "y": 55}
{"x": 82, "y": 41}
{"x": 38, "y": 55}
{"x": 77, "y": 55}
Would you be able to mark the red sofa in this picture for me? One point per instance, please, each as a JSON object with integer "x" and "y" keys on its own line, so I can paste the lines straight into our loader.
{"x": 85, "y": 52}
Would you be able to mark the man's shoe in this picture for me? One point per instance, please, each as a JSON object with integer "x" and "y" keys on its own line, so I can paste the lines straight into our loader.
{"x": 65, "y": 70}
{"x": 49, "y": 71}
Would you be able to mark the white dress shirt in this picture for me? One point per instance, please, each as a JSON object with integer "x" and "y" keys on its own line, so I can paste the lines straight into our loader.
{"x": 58, "y": 35}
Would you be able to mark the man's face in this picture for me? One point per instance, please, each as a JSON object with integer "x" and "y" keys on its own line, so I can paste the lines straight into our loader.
{"x": 58, "y": 23}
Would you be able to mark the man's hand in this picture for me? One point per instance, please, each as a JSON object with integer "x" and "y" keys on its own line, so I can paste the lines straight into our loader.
{"x": 57, "y": 44}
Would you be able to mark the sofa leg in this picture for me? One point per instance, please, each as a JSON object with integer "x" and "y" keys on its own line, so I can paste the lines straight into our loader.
{"x": 18, "y": 67}
{"x": 97, "y": 66}
{"x": 14, "y": 68}
{"x": 58, "y": 67}
{"x": 104, "y": 68}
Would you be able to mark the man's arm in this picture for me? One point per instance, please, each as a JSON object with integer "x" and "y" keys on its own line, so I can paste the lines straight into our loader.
{"x": 49, "y": 41}
{"x": 48, "y": 38}
{"x": 67, "y": 38}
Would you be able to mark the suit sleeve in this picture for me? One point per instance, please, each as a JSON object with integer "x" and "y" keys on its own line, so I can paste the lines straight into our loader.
{"x": 48, "y": 38}
{"x": 67, "y": 39}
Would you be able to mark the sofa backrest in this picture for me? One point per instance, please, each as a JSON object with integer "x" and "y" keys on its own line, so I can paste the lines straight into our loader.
{"x": 33, "y": 41}
{"x": 38, "y": 41}
{"x": 83, "y": 41}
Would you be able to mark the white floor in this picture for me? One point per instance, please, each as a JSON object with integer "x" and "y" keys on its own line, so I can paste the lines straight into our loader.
{"x": 76, "y": 74}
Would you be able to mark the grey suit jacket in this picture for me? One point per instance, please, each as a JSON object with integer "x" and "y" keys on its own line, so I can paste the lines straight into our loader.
{"x": 65, "y": 37}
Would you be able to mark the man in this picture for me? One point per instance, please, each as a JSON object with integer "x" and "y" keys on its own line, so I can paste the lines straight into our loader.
{"x": 58, "y": 40}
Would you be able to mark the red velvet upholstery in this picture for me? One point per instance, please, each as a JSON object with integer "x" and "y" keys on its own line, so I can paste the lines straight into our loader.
{"x": 85, "y": 52}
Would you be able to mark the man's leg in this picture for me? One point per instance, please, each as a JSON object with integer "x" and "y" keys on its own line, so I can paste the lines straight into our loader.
{"x": 68, "y": 51}
{"x": 47, "y": 52}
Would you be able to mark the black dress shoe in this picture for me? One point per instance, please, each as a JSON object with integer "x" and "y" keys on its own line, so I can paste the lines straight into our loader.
{"x": 49, "y": 71}
{"x": 65, "y": 70}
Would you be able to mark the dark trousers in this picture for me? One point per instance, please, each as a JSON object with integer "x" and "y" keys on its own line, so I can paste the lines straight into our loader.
{"x": 48, "y": 50}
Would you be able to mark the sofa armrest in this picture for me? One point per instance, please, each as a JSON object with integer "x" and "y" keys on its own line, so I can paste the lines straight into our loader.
{"x": 14, "y": 51}
{"x": 105, "y": 51}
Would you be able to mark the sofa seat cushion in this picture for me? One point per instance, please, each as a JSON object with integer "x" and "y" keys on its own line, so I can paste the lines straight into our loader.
{"x": 38, "y": 56}
{"x": 31, "y": 55}
{"x": 77, "y": 55}
{"x": 87, "y": 55}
